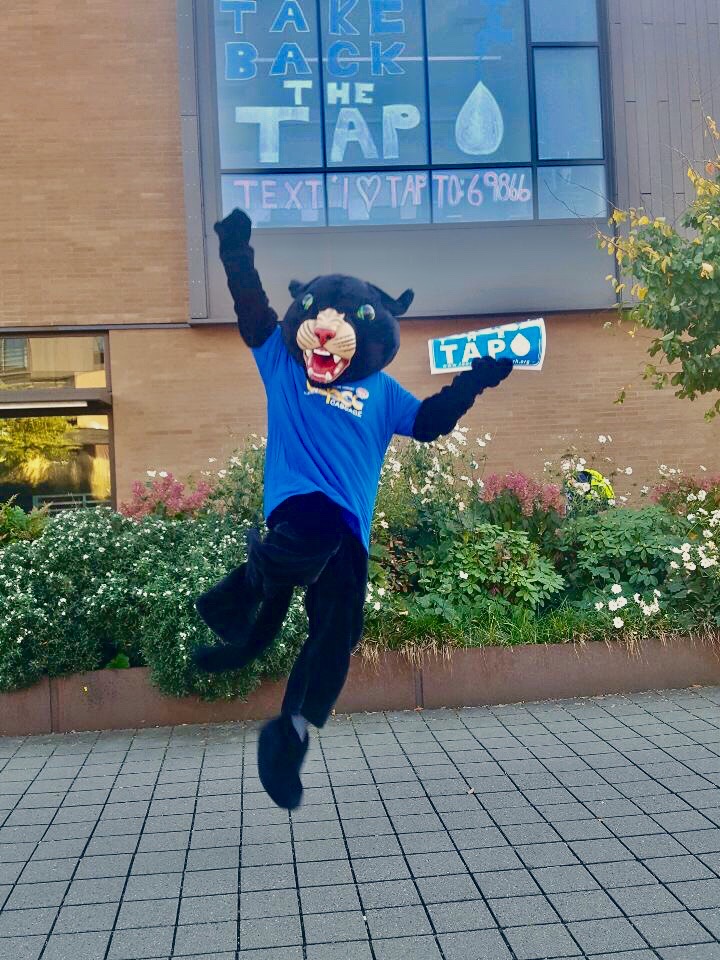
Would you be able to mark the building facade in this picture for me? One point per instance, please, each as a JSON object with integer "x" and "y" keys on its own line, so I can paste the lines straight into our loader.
{"x": 467, "y": 149}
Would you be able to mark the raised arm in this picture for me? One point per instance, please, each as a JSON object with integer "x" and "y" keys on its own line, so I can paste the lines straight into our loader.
{"x": 439, "y": 414}
{"x": 256, "y": 318}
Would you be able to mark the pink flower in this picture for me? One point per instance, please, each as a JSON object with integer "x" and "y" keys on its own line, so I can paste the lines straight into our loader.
{"x": 165, "y": 496}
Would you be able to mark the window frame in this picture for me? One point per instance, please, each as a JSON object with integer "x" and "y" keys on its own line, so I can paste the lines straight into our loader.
{"x": 534, "y": 162}
{"x": 201, "y": 152}
{"x": 65, "y": 401}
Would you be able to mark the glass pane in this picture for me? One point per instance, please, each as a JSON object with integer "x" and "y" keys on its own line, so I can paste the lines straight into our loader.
{"x": 476, "y": 196}
{"x": 375, "y": 109}
{"x": 478, "y": 82}
{"x": 60, "y": 461}
{"x": 282, "y": 200}
{"x": 569, "y": 115}
{"x": 268, "y": 81}
{"x": 557, "y": 21}
{"x": 566, "y": 192}
{"x": 378, "y": 198}
{"x": 47, "y": 363}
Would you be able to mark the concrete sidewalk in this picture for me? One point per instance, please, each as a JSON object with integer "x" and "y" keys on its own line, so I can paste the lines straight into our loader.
{"x": 586, "y": 828}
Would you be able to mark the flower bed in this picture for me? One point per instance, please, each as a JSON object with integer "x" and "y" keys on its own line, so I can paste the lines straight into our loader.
{"x": 461, "y": 560}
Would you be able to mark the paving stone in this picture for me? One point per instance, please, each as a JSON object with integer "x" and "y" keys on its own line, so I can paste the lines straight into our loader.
{"x": 589, "y": 905}
{"x": 397, "y": 922}
{"x": 206, "y": 938}
{"x": 409, "y": 948}
{"x": 77, "y": 946}
{"x": 606, "y": 935}
{"x": 139, "y": 944}
{"x": 541, "y": 942}
{"x": 636, "y": 901}
{"x": 671, "y": 930}
{"x": 460, "y": 917}
{"x": 394, "y": 893}
{"x": 334, "y": 927}
{"x": 523, "y": 911}
{"x": 478, "y": 945}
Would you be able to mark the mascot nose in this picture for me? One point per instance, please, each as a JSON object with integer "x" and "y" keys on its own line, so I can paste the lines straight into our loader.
{"x": 323, "y": 335}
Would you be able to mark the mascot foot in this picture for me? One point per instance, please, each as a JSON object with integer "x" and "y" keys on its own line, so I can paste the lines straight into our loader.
{"x": 281, "y": 752}
{"x": 222, "y": 658}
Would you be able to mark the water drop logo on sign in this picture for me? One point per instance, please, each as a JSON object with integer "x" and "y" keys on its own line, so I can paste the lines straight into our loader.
{"x": 523, "y": 343}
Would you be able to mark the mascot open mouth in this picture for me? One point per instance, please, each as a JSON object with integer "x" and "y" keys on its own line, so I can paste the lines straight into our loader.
{"x": 323, "y": 366}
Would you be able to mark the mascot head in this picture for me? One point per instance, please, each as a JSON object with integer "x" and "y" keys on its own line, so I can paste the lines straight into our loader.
{"x": 342, "y": 329}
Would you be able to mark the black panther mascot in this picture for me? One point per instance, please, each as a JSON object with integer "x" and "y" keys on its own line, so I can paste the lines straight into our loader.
{"x": 331, "y": 415}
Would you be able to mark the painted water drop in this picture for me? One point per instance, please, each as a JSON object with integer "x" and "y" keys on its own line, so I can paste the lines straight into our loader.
{"x": 520, "y": 345}
{"x": 479, "y": 128}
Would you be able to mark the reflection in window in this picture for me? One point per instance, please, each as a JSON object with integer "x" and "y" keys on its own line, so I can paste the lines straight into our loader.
{"x": 60, "y": 461}
{"x": 557, "y": 21}
{"x": 568, "y": 192}
{"x": 569, "y": 118}
{"x": 50, "y": 363}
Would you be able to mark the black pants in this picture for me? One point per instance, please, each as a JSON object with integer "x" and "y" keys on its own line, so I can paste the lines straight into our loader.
{"x": 310, "y": 545}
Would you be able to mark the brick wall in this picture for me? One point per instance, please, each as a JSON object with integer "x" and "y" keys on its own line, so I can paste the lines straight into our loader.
{"x": 91, "y": 189}
{"x": 181, "y": 397}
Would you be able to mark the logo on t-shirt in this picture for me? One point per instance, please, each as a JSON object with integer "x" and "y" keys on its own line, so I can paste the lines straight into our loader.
{"x": 344, "y": 398}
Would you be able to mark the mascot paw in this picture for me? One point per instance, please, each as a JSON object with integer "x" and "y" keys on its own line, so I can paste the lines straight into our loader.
{"x": 280, "y": 756}
{"x": 488, "y": 372}
{"x": 235, "y": 228}
{"x": 220, "y": 659}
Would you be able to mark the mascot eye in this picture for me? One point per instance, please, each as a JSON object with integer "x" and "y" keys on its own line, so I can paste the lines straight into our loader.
{"x": 308, "y": 301}
{"x": 366, "y": 312}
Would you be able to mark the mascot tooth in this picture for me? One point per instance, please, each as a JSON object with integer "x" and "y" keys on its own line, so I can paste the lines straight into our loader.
{"x": 332, "y": 413}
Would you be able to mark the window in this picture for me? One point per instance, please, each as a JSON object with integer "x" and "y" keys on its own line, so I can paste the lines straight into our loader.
{"x": 13, "y": 356}
{"x": 351, "y": 112}
{"x": 61, "y": 462}
{"x": 50, "y": 363}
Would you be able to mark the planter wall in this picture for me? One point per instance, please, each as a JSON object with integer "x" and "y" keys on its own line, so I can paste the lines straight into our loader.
{"x": 119, "y": 699}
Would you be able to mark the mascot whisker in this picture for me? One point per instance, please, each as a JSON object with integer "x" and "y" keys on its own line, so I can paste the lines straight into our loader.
{"x": 332, "y": 413}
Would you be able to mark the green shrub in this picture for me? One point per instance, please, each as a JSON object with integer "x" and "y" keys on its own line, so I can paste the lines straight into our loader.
{"x": 16, "y": 524}
{"x": 625, "y": 547}
{"x": 97, "y": 585}
{"x": 474, "y": 562}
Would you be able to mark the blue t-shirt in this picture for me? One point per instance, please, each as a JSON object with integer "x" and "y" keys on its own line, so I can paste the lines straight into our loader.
{"x": 330, "y": 440}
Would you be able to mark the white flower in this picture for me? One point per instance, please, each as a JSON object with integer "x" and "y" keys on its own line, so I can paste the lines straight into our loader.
{"x": 376, "y": 605}
{"x": 384, "y": 524}
{"x": 690, "y": 566}
{"x": 381, "y": 592}
{"x": 621, "y": 602}
{"x": 611, "y": 502}
{"x": 613, "y": 605}
{"x": 152, "y": 473}
{"x": 628, "y": 471}
{"x": 704, "y": 469}
{"x": 702, "y": 495}
{"x": 602, "y": 438}
{"x": 163, "y": 474}
{"x": 463, "y": 575}
{"x": 674, "y": 565}
{"x": 618, "y": 623}
{"x": 488, "y": 436}
{"x": 599, "y": 605}
{"x": 616, "y": 588}
{"x": 212, "y": 460}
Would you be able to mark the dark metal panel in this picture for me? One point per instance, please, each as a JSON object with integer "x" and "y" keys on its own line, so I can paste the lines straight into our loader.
{"x": 664, "y": 56}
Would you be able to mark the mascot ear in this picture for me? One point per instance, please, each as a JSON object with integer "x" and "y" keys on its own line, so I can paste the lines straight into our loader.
{"x": 396, "y": 307}
{"x": 296, "y": 288}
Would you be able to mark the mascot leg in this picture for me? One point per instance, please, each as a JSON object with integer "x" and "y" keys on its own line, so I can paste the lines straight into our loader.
{"x": 334, "y": 605}
{"x": 247, "y": 609}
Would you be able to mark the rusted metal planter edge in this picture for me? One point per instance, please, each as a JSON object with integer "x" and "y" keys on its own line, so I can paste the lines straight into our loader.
{"x": 125, "y": 699}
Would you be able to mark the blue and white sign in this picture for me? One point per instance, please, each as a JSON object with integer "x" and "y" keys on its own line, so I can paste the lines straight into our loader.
{"x": 523, "y": 343}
